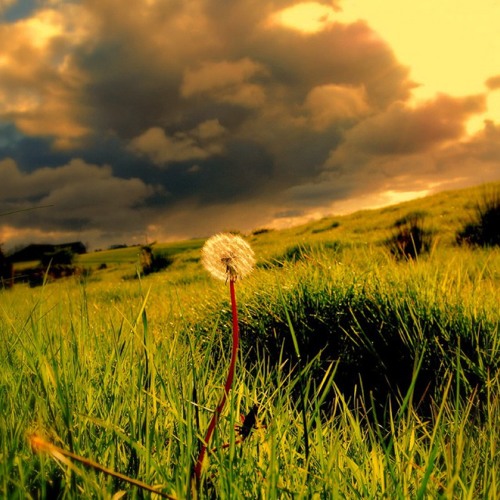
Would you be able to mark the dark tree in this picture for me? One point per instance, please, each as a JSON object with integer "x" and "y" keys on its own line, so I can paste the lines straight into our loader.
{"x": 6, "y": 271}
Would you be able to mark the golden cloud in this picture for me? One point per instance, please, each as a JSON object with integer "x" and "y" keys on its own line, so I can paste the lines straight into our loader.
{"x": 493, "y": 83}
{"x": 197, "y": 144}
{"x": 328, "y": 104}
{"x": 226, "y": 81}
{"x": 305, "y": 17}
{"x": 40, "y": 85}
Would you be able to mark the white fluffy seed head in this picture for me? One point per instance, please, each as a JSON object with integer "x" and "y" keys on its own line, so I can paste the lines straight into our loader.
{"x": 227, "y": 256}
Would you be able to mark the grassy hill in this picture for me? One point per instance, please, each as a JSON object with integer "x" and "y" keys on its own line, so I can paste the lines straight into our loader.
{"x": 371, "y": 376}
{"x": 444, "y": 214}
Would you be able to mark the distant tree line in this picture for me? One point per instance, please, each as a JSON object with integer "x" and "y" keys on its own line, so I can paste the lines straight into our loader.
{"x": 54, "y": 261}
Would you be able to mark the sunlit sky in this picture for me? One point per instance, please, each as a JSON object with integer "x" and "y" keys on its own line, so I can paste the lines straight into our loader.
{"x": 450, "y": 46}
{"x": 170, "y": 120}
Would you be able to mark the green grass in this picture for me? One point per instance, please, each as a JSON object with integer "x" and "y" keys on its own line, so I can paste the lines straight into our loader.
{"x": 130, "y": 255}
{"x": 127, "y": 372}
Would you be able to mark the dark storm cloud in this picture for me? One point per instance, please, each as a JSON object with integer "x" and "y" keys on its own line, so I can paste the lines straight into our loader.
{"x": 82, "y": 195}
{"x": 203, "y": 105}
{"x": 407, "y": 149}
{"x": 402, "y": 129}
{"x": 267, "y": 86}
{"x": 30, "y": 153}
{"x": 12, "y": 10}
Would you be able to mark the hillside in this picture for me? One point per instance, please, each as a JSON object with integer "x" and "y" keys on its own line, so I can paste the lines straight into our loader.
{"x": 444, "y": 214}
{"x": 363, "y": 375}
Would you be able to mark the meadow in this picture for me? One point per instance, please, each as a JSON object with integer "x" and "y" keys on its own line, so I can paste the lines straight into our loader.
{"x": 371, "y": 376}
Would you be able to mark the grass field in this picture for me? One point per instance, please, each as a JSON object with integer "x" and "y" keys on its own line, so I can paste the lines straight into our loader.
{"x": 374, "y": 377}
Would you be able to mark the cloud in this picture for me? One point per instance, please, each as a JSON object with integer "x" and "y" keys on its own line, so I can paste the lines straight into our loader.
{"x": 493, "y": 83}
{"x": 306, "y": 17}
{"x": 404, "y": 149}
{"x": 330, "y": 104}
{"x": 243, "y": 215}
{"x": 225, "y": 81}
{"x": 94, "y": 67}
{"x": 5, "y": 4}
{"x": 197, "y": 144}
{"x": 40, "y": 84}
{"x": 404, "y": 129}
{"x": 177, "y": 108}
{"x": 80, "y": 197}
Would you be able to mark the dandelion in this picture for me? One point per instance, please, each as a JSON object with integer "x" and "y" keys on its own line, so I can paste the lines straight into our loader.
{"x": 226, "y": 257}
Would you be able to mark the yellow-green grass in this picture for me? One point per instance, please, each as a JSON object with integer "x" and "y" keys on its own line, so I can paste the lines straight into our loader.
{"x": 127, "y": 372}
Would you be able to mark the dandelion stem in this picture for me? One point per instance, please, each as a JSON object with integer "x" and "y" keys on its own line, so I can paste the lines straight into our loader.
{"x": 229, "y": 382}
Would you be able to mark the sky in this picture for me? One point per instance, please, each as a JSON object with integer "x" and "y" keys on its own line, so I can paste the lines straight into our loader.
{"x": 160, "y": 120}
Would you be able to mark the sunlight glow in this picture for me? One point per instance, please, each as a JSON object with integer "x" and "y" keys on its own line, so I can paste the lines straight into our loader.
{"x": 451, "y": 46}
{"x": 19, "y": 235}
{"x": 43, "y": 28}
{"x": 307, "y": 17}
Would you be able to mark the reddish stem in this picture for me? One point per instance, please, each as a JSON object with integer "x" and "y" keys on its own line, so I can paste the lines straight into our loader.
{"x": 227, "y": 387}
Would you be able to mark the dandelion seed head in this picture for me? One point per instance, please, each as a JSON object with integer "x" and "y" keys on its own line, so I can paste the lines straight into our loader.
{"x": 227, "y": 256}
